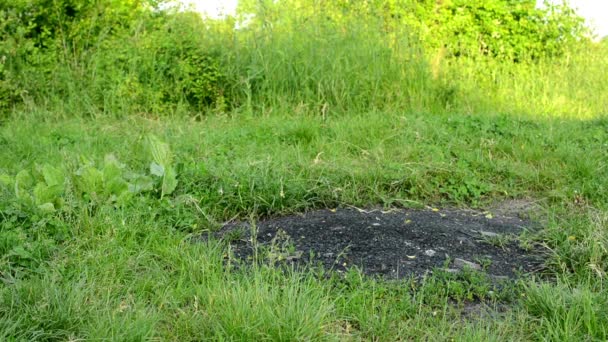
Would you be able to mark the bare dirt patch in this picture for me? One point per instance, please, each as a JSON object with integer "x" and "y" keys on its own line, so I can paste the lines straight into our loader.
{"x": 394, "y": 243}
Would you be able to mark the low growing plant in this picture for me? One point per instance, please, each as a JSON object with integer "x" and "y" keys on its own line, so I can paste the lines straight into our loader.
{"x": 37, "y": 191}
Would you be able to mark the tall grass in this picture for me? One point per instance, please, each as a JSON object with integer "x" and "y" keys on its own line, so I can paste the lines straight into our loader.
{"x": 311, "y": 58}
{"x": 568, "y": 87}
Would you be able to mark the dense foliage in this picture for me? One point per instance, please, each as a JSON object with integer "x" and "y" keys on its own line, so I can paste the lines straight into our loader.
{"x": 131, "y": 54}
{"x": 512, "y": 30}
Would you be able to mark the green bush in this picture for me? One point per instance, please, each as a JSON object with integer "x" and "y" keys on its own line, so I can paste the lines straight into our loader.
{"x": 108, "y": 56}
{"x": 179, "y": 63}
{"x": 512, "y": 30}
{"x": 125, "y": 56}
{"x": 41, "y": 39}
{"x": 14, "y": 51}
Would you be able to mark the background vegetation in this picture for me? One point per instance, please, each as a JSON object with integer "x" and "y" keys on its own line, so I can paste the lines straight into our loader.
{"x": 128, "y": 129}
{"x": 114, "y": 57}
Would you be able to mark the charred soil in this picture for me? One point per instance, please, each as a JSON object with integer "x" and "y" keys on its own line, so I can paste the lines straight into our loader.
{"x": 393, "y": 243}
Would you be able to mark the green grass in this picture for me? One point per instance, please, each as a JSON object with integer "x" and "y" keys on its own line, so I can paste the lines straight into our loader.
{"x": 322, "y": 115}
{"x": 133, "y": 273}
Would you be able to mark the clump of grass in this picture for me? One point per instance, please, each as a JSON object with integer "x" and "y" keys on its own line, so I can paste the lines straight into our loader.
{"x": 568, "y": 312}
{"x": 499, "y": 240}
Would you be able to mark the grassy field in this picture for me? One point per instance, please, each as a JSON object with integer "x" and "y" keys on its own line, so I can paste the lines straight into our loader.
{"x": 102, "y": 200}
{"x": 131, "y": 272}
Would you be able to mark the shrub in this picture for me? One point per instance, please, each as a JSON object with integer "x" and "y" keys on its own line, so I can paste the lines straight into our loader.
{"x": 513, "y": 30}
{"x": 179, "y": 62}
{"x": 117, "y": 55}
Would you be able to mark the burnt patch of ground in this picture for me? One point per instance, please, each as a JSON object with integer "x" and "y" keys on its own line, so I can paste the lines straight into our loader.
{"x": 394, "y": 243}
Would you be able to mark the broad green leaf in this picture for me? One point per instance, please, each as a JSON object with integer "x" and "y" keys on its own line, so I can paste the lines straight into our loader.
{"x": 52, "y": 176}
{"x": 141, "y": 183}
{"x": 47, "y": 208}
{"x": 162, "y": 165}
{"x": 44, "y": 193}
{"x": 169, "y": 182}
{"x": 123, "y": 198}
{"x": 160, "y": 151}
{"x": 90, "y": 180}
{"x": 23, "y": 182}
{"x": 116, "y": 186}
{"x": 156, "y": 169}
